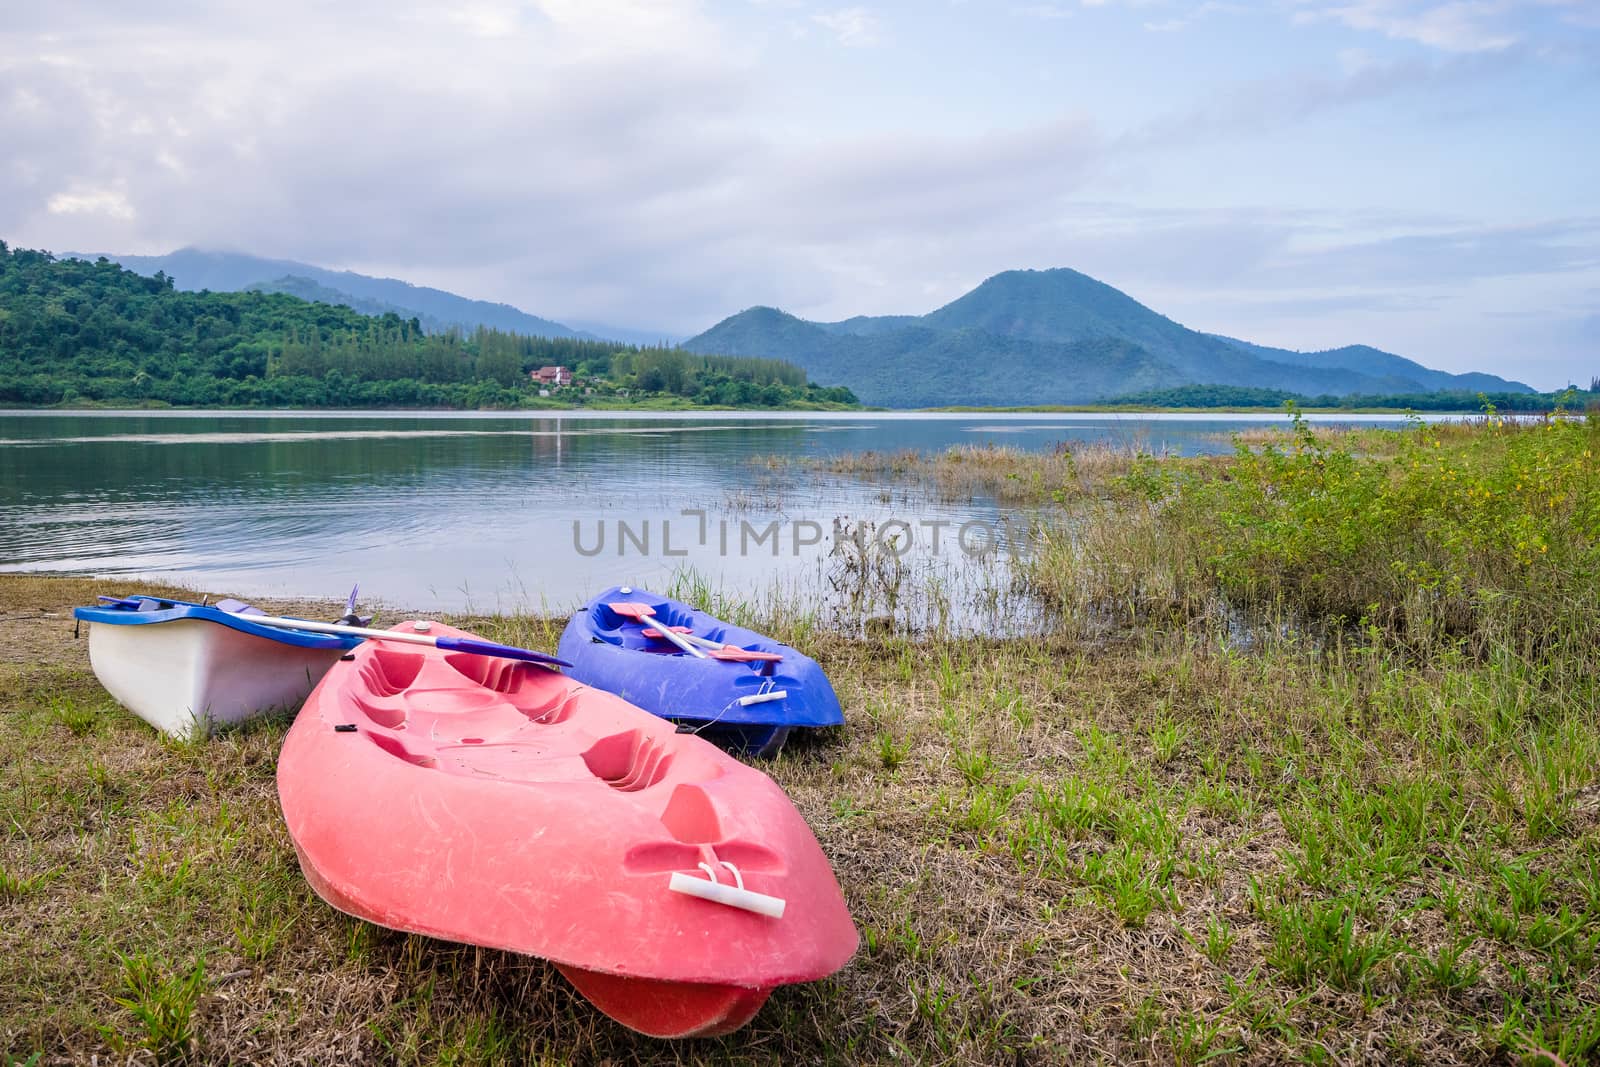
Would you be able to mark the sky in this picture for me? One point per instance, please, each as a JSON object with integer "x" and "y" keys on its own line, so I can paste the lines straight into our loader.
{"x": 1417, "y": 175}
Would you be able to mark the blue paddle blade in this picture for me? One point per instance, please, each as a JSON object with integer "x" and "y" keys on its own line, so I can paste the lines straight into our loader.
{"x": 350, "y": 618}
{"x": 489, "y": 648}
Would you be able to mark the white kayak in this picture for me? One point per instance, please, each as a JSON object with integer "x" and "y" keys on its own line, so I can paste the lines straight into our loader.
{"x": 185, "y": 668}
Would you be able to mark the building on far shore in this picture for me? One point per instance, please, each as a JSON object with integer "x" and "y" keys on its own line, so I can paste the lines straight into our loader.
{"x": 554, "y": 376}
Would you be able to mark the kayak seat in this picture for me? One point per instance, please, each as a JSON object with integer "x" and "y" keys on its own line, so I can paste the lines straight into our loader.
{"x": 501, "y": 675}
{"x": 629, "y": 761}
{"x": 388, "y": 673}
{"x": 628, "y": 632}
{"x": 543, "y": 695}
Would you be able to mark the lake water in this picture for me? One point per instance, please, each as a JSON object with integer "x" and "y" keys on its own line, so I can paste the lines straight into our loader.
{"x": 498, "y": 512}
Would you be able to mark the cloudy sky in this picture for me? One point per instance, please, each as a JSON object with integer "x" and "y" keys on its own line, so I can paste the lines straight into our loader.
{"x": 1419, "y": 175}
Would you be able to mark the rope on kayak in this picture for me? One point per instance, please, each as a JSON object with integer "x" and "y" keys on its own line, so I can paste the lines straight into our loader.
{"x": 738, "y": 879}
{"x": 765, "y": 693}
{"x": 707, "y": 724}
{"x": 711, "y": 873}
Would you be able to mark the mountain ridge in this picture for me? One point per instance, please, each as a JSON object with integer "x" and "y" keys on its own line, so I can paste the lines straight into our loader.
{"x": 194, "y": 269}
{"x": 1058, "y": 320}
{"x": 1017, "y": 337}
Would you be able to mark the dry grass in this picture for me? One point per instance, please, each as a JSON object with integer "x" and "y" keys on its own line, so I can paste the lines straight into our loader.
{"x": 1159, "y": 849}
{"x": 1009, "y": 475}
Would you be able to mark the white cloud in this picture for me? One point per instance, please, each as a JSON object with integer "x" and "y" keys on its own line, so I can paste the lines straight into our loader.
{"x": 854, "y": 27}
{"x": 1192, "y": 14}
{"x": 1043, "y": 11}
{"x": 634, "y": 180}
{"x": 487, "y": 19}
{"x": 86, "y": 200}
{"x": 1250, "y": 108}
{"x": 1453, "y": 26}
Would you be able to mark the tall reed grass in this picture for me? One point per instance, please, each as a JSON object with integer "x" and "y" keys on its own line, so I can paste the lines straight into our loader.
{"x": 1477, "y": 537}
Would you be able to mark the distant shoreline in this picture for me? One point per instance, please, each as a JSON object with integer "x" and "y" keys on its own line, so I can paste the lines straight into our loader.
{"x": 1145, "y": 409}
{"x": 646, "y": 407}
{"x": 641, "y": 405}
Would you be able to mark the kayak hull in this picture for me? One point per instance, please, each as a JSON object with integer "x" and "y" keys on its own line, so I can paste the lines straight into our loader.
{"x": 187, "y": 668}
{"x": 750, "y": 707}
{"x": 503, "y": 804}
{"x": 657, "y": 1008}
{"x": 668, "y": 1009}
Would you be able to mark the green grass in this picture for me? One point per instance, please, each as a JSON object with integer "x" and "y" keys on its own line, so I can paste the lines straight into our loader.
{"x": 1021, "y": 888}
{"x": 161, "y": 1006}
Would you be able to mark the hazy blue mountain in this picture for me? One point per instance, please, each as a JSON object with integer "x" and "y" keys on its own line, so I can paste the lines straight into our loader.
{"x": 1387, "y": 365}
{"x": 226, "y": 272}
{"x": 632, "y": 335}
{"x": 914, "y": 366}
{"x": 1053, "y": 336}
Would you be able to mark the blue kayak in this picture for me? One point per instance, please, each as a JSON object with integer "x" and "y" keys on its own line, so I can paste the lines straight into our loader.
{"x": 748, "y": 706}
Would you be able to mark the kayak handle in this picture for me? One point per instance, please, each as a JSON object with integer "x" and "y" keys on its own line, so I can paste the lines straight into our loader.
{"x": 734, "y": 896}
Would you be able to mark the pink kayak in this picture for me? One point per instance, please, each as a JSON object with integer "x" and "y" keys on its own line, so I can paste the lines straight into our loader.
{"x": 502, "y": 804}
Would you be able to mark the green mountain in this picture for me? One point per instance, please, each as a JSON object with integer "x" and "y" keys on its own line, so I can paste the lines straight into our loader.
{"x": 1053, "y": 336}
{"x": 194, "y": 269}
{"x": 74, "y": 332}
{"x": 306, "y": 289}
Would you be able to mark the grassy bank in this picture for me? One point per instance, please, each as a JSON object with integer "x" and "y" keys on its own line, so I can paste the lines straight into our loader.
{"x": 1308, "y": 773}
{"x": 1274, "y": 409}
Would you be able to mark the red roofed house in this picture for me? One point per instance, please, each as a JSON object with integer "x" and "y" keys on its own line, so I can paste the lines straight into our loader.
{"x": 552, "y": 376}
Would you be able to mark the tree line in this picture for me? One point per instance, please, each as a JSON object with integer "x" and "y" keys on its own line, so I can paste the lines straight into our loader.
{"x": 74, "y": 331}
{"x": 1232, "y": 396}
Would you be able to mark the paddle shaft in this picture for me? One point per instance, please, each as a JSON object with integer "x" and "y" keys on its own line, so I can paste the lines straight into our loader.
{"x": 721, "y": 649}
{"x": 706, "y": 642}
{"x": 679, "y": 640}
{"x": 688, "y": 635}
{"x": 480, "y": 648}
